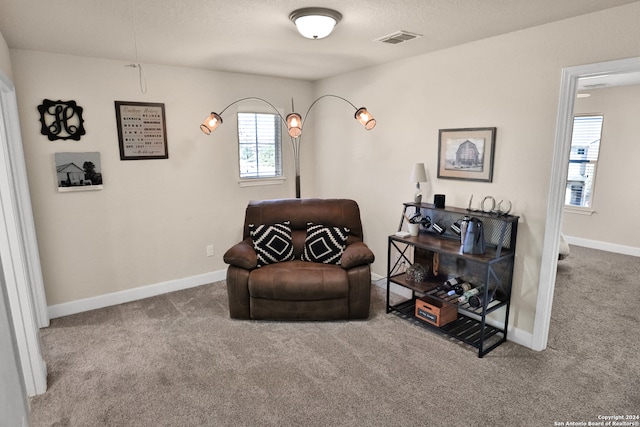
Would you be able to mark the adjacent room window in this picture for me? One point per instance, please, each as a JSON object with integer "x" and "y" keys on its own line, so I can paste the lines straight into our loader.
{"x": 260, "y": 142}
{"x": 583, "y": 160}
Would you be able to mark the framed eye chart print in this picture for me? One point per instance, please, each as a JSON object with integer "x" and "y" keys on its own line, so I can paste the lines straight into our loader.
{"x": 142, "y": 130}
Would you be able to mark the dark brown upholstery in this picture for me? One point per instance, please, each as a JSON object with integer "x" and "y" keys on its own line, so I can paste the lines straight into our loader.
{"x": 299, "y": 290}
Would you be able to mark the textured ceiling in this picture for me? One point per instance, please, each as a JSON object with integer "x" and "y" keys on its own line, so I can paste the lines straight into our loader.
{"x": 257, "y": 37}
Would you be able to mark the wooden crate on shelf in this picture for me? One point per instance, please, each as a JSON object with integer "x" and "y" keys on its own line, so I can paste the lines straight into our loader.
{"x": 435, "y": 311}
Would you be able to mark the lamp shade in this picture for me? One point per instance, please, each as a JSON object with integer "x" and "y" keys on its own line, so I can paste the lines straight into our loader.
{"x": 365, "y": 118}
{"x": 315, "y": 22}
{"x": 210, "y": 123}
{"x": 418, "y": 174}
{"x": 294, "y": 125}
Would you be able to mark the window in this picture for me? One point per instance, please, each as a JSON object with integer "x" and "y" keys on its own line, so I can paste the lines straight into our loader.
{"x": 583, "y": 160}
{"x": 259, "y": 141}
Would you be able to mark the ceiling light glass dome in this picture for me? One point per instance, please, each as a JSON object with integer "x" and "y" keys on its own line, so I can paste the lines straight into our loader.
{"x": 315, "y": 22}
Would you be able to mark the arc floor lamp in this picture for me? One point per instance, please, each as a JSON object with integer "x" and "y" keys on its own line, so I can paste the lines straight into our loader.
{"x": 294, "y": 123}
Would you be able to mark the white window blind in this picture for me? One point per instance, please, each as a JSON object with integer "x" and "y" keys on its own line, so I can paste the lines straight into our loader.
{"x": 259, "y": 142}
{"x": 583, "y": 160}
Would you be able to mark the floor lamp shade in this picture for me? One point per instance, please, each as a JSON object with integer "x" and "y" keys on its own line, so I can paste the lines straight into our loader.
{"x": 210, "y": 123}
{"x": 365, "y": 118}
{"x": 294, "y": 125}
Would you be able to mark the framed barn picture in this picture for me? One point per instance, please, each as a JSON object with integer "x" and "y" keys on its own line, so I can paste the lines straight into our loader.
{"x": 78, "y": 171}
{"x": 466, "y": 154}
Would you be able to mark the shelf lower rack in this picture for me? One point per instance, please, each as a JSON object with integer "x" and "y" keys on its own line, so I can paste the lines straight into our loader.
{"x": 431, "y": 288}
{"x": 464, "y": 328}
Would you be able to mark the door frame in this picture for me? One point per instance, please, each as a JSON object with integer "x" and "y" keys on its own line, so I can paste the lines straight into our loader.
{"x": 557, "y": 185}
{"x": 18, "y": 246}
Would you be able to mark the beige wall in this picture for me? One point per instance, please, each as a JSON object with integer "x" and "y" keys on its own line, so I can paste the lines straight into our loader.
{"x": 151, "y": 222}
{"x": 615, "y": 199}
{"x": 511, "y": 82}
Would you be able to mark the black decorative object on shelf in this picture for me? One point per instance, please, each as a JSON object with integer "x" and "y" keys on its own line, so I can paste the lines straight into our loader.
{"x": 61, "y": 120}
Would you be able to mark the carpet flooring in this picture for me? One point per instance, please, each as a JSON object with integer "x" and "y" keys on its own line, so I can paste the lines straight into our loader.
{"x": 179, "y": 360}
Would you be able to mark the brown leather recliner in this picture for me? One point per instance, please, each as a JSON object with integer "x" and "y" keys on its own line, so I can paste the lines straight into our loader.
{"x": 300, "y": 290}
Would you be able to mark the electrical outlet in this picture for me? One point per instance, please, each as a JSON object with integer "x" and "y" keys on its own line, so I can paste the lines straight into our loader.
{"x": 210, "y": 250}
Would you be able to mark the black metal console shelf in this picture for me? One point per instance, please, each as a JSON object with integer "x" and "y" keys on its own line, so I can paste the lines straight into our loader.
{"x": 442, "y": 254}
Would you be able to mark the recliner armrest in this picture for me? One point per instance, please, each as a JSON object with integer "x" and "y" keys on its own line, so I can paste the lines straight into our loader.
{"x": 356, "y": 254}
{"x": 242, "y": 255}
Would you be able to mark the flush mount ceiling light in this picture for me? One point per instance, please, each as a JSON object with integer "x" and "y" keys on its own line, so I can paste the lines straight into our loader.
{"x": 315, "y": 22}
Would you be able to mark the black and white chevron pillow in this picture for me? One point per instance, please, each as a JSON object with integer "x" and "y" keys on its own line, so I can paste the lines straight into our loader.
{"x": 324, "y": 244}
{"x": 272, "y": 243}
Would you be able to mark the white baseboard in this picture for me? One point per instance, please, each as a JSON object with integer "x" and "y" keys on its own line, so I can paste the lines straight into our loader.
{"x": 603, "y": 246}
{"x": 376, "y": 277}
{"x": 514, "y": 335}
{"x": 396, "y": 289}
{"x": 115, "y": 298}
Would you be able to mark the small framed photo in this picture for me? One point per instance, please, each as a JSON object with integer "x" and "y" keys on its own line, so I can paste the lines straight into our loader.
{"x": 78, "y": 171}
{"x": 142, "y": 130}
{"x": 466, "y": 154}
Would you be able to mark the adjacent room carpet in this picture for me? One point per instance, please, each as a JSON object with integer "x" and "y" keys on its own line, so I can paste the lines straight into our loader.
{"x": 179, "y": 360}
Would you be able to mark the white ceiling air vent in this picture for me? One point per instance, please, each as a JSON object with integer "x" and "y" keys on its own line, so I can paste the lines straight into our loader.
{"x": 398, "y": 37}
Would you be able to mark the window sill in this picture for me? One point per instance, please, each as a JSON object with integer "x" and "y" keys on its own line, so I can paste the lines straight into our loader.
{"x": 579, "y": 211}
{"x": 255, "y": 182}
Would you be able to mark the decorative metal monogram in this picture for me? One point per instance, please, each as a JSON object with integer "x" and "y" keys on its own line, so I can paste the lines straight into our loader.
{"x": 61, "y": 120}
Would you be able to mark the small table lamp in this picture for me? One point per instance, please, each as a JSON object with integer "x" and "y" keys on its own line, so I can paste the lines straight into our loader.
{"x": 418, "y": 175}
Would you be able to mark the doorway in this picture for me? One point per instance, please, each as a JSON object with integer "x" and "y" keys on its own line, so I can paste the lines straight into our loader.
{"x": 557, "y": 187}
